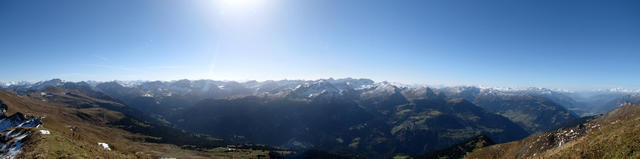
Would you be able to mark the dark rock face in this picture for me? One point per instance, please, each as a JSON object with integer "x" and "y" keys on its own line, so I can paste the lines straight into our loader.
{"x": 3, "y": 110}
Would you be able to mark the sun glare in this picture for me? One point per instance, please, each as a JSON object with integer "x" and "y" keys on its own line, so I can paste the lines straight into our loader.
{"x": 241, "y": 6}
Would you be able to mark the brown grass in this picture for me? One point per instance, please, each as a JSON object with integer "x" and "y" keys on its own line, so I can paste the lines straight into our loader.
{"x": 614, "y": 135}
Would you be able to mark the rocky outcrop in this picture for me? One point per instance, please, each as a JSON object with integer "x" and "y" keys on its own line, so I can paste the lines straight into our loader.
{"x": 14, "y": 130}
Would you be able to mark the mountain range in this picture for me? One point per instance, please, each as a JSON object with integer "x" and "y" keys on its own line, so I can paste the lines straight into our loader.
{"x": 346, "y": 117}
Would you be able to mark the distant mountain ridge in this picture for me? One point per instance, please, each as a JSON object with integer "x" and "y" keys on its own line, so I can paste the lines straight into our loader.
{"x": 578, "y": 103}
{"x": 176, "y": 85}
{"x": 533, "y": 109}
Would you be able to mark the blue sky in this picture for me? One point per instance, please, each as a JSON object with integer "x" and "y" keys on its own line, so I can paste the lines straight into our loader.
{"x": 575, "y": 44}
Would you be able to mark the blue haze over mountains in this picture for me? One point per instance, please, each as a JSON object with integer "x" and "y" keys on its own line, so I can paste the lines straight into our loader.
{"x": 586, "y": 102}
{"x": 355, "y": 116}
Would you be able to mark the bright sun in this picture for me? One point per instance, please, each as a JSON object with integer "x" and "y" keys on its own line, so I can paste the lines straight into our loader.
{"x": 241, "y": 5}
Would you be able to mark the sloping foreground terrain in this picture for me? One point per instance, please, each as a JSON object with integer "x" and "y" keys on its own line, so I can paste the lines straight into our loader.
{"x": 458, "y": 150}
{"x": 54, "y": 125}
{"x": 613, "y": 135}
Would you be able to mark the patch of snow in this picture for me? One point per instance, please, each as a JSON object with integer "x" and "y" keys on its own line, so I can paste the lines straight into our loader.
{"x": 619, "y": 90}
{"x": 104, "y": 146}
{"x": 14, "y": 151}
{"x": 45, "y": 132}
{"x": 11, "y": 136}
{"x": 130, "y": 84}
{"x": 13, "y": 144}
{"x": 20, "y": 137}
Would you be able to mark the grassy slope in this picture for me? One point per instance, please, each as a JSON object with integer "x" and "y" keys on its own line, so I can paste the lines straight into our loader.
{"x": 93, "y": 127}
{"x": 458, "y": 150}
{"x": 614, "y": 135}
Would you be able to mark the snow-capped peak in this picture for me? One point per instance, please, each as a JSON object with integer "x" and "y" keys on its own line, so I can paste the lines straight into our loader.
{"x": 315, "y": 89}
{"x": 620, "y": 90}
